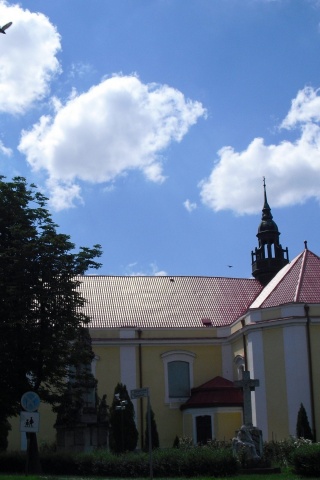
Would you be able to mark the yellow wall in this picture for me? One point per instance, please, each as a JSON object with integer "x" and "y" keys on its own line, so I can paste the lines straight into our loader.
{"x": 107, "y": 370}
{"x": 275, "y": 379}
{"x": 315, "y": 355}
{"x": 187, "y": 426}
{"x": 205, "y": 332}
{"x": 226, "y": 424}
{"x": 207, "y": 365}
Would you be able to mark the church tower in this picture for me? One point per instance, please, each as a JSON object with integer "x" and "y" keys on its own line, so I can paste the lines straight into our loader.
{"x": 269, "y": 257}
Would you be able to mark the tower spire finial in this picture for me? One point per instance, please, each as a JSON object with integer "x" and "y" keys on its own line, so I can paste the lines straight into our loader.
{"x": 269, "y": 257}
{"x": 266, "y": 210}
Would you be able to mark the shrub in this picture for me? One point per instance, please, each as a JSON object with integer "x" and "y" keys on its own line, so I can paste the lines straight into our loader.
{"x": 171, "y": 462}
{"x": 13, "y": 462}
{"x": 306, "y": 460}
{"x": 58, "y": 463}
{"x": 194, "y": 461}
{"x": 280, "y": 453}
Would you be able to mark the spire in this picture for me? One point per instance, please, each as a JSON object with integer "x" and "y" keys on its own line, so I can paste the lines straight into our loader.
{"x": 266, "y": 210}
{"x": 269, "y": 257}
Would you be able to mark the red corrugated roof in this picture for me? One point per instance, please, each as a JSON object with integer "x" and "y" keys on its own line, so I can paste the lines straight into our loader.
{"x": 216, "y": 393}
{"x": 297, "y": 282}
{"x": 194, "y": 302}
{"x": 166, "y": 302}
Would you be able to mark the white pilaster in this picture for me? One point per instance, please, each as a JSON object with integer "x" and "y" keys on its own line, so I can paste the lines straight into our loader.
{"x": 128, "y": 360}
{"x": 257, "y": 370}
{"x": 297, "y": 373}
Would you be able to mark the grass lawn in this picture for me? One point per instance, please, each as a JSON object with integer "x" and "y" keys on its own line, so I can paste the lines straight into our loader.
{"x": 278, "y": 476}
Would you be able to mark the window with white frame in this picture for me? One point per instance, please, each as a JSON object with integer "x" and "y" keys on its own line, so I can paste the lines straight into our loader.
{"x": 178, "y": 373}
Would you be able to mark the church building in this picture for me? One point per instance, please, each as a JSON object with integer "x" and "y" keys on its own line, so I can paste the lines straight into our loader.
{"x": 189, "y": 339}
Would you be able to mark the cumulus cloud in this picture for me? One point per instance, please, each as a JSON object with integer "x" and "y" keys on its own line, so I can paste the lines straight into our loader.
{"x": 190, "y": 206}
{"x": 305, "y": 108}
{"x": 5, "y": 150}
{"x": 152, "y": 270}
{"x": 118, "y": 125}
{"x": 292, "y": 168}
{"x": 27, "y": 58}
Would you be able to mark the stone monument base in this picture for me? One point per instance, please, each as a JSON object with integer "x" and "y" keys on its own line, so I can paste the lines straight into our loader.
{"x": 256, "y": 435}
{"x": 82, "y": 437}
{"x": 248, "y": 446}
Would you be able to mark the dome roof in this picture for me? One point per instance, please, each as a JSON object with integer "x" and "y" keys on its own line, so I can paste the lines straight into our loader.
{"x": 268, "y": 225}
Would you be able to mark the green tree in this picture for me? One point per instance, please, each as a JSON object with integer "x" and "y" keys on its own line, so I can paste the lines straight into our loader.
{"x": 124, "y": 433}
{"x": 154, "y": 432}
{"x": 303, "y": 429}
{"x": 80, "y": 389}
{"x": 40, "y": 304}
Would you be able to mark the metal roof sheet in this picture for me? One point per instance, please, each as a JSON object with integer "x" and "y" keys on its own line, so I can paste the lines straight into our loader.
{"x": 194, "y": 302}
{"x": 166, "y": 302}
{"x": 217, "y": 392}
{"x": 297, "y": 282}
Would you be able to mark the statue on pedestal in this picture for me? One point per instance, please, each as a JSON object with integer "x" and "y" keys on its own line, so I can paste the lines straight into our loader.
{"x": 243, "y": 445}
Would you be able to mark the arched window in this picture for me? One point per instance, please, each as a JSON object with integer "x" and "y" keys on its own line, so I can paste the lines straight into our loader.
{"x": 240, "y": 364}
{"x": 178, "y": 374}
{"x": 178, "y": 379}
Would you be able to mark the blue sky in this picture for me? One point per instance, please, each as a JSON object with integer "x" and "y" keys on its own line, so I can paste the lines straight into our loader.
{"x": 149, "y": 124}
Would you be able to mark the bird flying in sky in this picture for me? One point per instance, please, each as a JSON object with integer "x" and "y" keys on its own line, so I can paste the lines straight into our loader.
{"x": 7, "y": 25}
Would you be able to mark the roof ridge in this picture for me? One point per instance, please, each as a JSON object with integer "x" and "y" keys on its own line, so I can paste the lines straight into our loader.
{"x": 274, "y": 283}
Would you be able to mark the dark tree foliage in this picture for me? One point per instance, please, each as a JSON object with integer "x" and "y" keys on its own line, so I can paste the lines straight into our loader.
{"x": 40, "y": 305}
{"x": 124, "y": 433}
{"x": 80, "y": 395}
{"x": 5, "y": 427}
{"x": 303, "y": 429}
{"x": 154, "y": 432}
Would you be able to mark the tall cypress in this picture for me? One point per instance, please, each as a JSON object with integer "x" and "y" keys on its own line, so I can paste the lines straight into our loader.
{"x": 303, "y": 429}
{"x": 124, "y": 433}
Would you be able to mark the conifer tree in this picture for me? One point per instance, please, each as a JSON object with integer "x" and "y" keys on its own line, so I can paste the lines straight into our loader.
{"x": 303, "y": 429}
{"x": 124, "y": 433}
{"x": 154, "y": 432}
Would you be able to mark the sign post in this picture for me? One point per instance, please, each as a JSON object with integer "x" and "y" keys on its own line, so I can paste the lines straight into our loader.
{"x": 29, "y": 422}
{"x": 140, "y": 393}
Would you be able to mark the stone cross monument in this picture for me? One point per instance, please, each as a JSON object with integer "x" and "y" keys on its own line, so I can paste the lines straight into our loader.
{"x": 248, "y": 385}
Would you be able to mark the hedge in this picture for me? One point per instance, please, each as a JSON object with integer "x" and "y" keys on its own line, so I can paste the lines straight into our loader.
{"x": 166, "y": 463}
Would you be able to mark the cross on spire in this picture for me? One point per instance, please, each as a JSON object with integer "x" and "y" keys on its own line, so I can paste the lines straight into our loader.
{"x": 248, "y": 385}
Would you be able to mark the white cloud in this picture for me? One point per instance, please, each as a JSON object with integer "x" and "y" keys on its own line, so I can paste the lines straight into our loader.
{"x": 190, "y": 206}
{"x": 63, "y": 197}
{"x": 5, "y": 150}
{"x": 152, "y": 270}
{"x": 292, "y": 169}
{"x": 27, "y": 58}
{"x": 117, "y": 126}
{"x": 304, "y": 108}
{"x": 80, "y": 70}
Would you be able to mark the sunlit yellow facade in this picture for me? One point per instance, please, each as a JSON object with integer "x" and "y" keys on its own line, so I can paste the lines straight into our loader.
{"x": 277, "y": 341}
